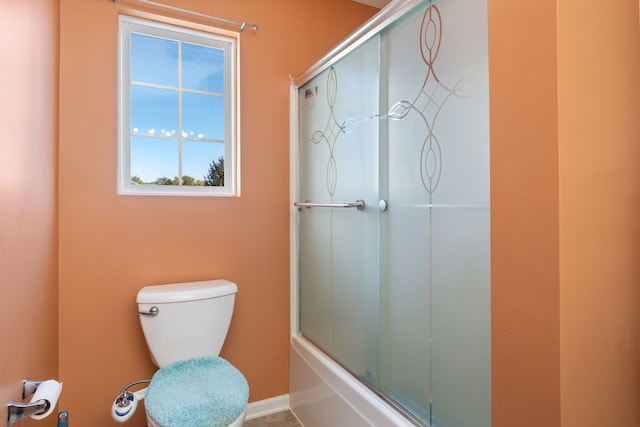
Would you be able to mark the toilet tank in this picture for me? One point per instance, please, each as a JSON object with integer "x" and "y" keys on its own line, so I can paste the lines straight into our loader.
{"x": 185, "y": 320}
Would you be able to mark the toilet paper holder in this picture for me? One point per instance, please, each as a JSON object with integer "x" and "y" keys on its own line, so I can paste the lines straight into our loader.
{"x": 18, "y": 410}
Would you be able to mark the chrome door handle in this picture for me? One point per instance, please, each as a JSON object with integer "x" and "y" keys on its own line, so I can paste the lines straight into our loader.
{"x": 358, "y": 204}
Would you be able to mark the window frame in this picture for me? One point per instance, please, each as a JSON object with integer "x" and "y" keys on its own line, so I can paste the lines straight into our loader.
{"x": 217, "y": 39}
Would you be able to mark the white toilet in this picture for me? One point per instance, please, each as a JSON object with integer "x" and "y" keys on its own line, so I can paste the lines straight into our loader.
{"x": 185, "y": 325}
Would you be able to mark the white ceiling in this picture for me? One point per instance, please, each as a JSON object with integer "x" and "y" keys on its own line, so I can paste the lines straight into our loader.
{"x": 375, "y": 3}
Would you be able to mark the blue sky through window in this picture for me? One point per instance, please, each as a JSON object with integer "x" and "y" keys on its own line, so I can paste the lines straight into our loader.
{"x": 168, "y": 78}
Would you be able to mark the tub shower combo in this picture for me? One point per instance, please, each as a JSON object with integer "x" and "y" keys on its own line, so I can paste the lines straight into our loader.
{"x": 391, "y": 223}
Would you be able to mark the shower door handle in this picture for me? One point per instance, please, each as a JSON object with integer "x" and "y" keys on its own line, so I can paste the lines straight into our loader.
{"x": 358, "y": 204}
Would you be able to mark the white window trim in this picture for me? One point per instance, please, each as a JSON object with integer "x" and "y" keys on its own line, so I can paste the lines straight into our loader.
{"x": 128, "y": 24}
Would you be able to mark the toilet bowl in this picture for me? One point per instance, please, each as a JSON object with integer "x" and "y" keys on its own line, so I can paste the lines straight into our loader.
{"x": 185, "y": 325}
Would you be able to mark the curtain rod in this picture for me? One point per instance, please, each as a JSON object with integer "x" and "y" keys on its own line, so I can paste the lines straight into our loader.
{"x": 241, "y": 25}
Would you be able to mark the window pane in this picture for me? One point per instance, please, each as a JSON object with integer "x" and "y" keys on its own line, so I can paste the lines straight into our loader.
{"x": 154, "y": 111}
{"x": 153, "y": 159}
{"x": 202, "y": 116}
{"x": 154, "y": 60}
{"x": 202, "y": 68}
{"x": 197, "y": 157}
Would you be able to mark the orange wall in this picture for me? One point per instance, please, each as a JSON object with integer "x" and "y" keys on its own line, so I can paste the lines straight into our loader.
{"x": 565, "y": 144}
{"x": 524, "y": 214}
{"x": 28, "y": 229}
{"x": 111, "y": 246}
{"x": 599, "y": 153}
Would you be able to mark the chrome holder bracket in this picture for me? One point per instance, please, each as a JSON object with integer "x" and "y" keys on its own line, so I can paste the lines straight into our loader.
{"x": 29, "y": 387}
{"x": 19, "y": 410}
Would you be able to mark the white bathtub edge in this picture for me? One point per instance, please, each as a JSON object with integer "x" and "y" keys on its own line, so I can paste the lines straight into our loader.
{"x": 338, "y": 392}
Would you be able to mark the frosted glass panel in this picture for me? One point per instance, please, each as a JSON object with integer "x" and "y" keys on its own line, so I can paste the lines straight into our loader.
{"x": 338, "y": 146}
{"x": 435, "y": 358}
{"x": 460, "y": 313}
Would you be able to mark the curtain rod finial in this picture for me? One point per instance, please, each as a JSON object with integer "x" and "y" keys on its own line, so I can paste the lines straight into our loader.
{"x": 244, "y": 25}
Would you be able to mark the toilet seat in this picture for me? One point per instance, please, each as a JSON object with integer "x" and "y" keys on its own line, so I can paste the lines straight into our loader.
{"x": 202, "y": 392}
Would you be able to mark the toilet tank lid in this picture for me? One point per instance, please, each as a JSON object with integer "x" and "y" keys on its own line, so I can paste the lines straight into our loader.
{"x": 187, "y": 291}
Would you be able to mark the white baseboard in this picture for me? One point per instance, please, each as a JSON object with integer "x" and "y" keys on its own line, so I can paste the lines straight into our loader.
{"x": 267, "y": 406}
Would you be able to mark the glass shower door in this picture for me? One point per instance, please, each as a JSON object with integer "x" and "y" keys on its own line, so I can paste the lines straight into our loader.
{"x": 435, "y": 358}
{"x": 398, "y": 292}
{"x": 338, "y": 265}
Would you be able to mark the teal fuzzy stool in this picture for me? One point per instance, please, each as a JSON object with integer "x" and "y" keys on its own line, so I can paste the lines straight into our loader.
{"x": 202, "y": 392}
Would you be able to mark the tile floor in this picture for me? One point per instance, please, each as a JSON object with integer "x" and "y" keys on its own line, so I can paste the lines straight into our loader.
{"x": 280, "y": 419}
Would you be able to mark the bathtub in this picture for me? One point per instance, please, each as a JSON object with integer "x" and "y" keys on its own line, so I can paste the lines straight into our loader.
{"x": 322, "y": 393}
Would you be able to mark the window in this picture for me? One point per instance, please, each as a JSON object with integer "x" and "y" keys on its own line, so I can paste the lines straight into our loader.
{"x": 177, "y": 111}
